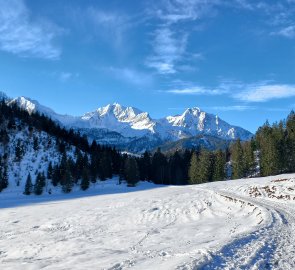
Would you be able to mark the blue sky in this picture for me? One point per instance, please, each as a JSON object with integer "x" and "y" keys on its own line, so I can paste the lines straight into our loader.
{"x": 231, "y": 58}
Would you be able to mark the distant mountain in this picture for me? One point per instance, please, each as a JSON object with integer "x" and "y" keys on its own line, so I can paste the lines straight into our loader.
{"x": 129, "y": 128}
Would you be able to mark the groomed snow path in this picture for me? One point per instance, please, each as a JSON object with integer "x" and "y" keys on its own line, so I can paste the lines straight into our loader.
{"x": 241, "y": 224}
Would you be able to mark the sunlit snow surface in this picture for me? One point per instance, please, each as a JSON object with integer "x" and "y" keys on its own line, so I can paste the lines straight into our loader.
{"x": 241, "y": 224}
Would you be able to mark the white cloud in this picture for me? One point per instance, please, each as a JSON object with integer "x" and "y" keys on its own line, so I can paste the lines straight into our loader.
{"x": 196, "y": 90}
{"x": 20, "y": 35}
{"x": 288, "y": 32}
{"x": 239, "y": 108}
{"x": 265, "y": 92}
{"x": 169, "y": 39}
{"x": 255, "y": 92}
{"x": 65, "y": 76}
{"x": 131, "y": 75}
{"x": 168, "y": 49}
{"x": 111, "y": 25}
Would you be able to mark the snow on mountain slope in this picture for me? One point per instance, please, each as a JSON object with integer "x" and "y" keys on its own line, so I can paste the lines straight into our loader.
{"x": 33, "y": 159}
{"x": 219, "y": 225}
{"x": 34, "y": 106}
{"x": 131, "y": 122}
{"x": 128, "y": 121}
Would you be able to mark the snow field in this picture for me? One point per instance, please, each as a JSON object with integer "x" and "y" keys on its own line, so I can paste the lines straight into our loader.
{"x": 210, "y": 226}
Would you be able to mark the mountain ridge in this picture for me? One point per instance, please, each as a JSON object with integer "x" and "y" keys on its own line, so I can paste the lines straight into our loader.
{"x": 131, "y": 125}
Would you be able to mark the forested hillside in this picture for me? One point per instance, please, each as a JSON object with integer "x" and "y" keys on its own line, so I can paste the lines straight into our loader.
{"x": 38, "y": 156}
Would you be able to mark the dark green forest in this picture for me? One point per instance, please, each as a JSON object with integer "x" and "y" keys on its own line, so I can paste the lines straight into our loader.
{"x": 271, "y": 151}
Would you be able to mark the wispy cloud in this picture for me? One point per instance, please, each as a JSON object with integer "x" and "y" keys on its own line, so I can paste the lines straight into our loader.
{"x": 66, "y": 76}
{"x": 168, "y": 49}
{"x": 239, "y": 108}
{"x": 265, "y": 92}
{"x": 111, "y": 25}
{"x": 171, "y": 36}
{"x": 288, "y": 32}
{"x": 131, "y": 76}
{"x": 21, "y": 35}
{"x": 254, "y": 92}
{"x": 197, "y": 90}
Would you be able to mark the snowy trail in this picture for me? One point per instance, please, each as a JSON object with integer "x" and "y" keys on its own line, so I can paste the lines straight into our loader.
{"x": 271, "y": 247}
{"x": 211, "y": 226}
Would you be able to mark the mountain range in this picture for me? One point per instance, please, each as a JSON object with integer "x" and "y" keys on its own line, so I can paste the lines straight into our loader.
{"x": 133, "y": 130}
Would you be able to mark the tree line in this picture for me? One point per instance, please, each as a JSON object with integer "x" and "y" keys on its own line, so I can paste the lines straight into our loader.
{"x": 271, "y": 151}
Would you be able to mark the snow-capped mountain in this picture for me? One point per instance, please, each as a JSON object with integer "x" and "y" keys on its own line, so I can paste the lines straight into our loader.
{"x": 31, "y": 106}
{"x": 130, "y": 128}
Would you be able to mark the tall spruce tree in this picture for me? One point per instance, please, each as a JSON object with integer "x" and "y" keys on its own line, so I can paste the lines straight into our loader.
{"x": 159, "y": 167}
{"x": 194, "y": 170}
{"x": 29, "y": 185}
{"x": 85, "y": 179}
{"x": 237, "y": 158}
{"x": 219, "y": 166}
{"x": 131, "y": 171}
{"x": 290, "y": 142}
{"x": 4, "y": 179}
{"x": 38, "y": 187}
{"x": 205, "y": 166}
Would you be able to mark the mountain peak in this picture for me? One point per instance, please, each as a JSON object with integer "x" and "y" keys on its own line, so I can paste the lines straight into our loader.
{"x": 131, "y": 122}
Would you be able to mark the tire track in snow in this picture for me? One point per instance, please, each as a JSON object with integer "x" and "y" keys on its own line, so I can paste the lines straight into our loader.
{"x": 260, "y": 249}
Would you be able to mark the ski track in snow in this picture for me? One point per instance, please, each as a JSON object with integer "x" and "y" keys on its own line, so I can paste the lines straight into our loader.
{"x": 210, "y": 226}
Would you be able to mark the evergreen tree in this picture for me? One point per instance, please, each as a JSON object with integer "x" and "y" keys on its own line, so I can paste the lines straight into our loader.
{"x": 56, "y": 176}
{"x": 205, "y": 166}
{"x": 194, "y": 170}
{"x": 18, "y": 150}
{"x": 131, "y": 171}
{"x": 237, "y": 158}
{"x": 145, "y": 166}
{"x": 290, "y": 142}
{"x": 85, "y": 180}
{"x": 249, "y": 158}
{"x": 50, "y": 171}
{"x": 66, "y": 179}
{"x": 4, "y": 179}
{"x": 219, "y": 166}
{"x": 105, "y": 166}
{"x": 39, "y": 184}
{"x": 269, "y": 154}
{"x": 176, "y": 175}
{"x": 28, "y": 186}
{"x": 159, "y": 167}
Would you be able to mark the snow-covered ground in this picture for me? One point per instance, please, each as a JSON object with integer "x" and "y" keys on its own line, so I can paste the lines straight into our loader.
{"x": 240, "y": 224}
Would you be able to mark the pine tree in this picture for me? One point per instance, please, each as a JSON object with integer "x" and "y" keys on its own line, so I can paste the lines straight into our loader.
{"x": 50, "y": 171}
{"x": 28, "y": 186}
{"x": 205, "y": 166}
{"x": 290, "y": 142}
{"x": 85, "y": 180}
{"x": 176, "y": 174}
{"x": 56, "y": 176}
{"x": 159, "y": 167}
{"x": 194, "y": 170}
{"x": 18, "y": 150}
{"x": 131, "y": 171}
{"x": 249, "y": 158}
{"x": 38, "y": 187}
{"x": 219, "y": 166}
{"x": 67, "y": 180}
{"x": 105, "y": 166}
{"x": 237, "y": 160}
{"x": 4, "y": 179}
